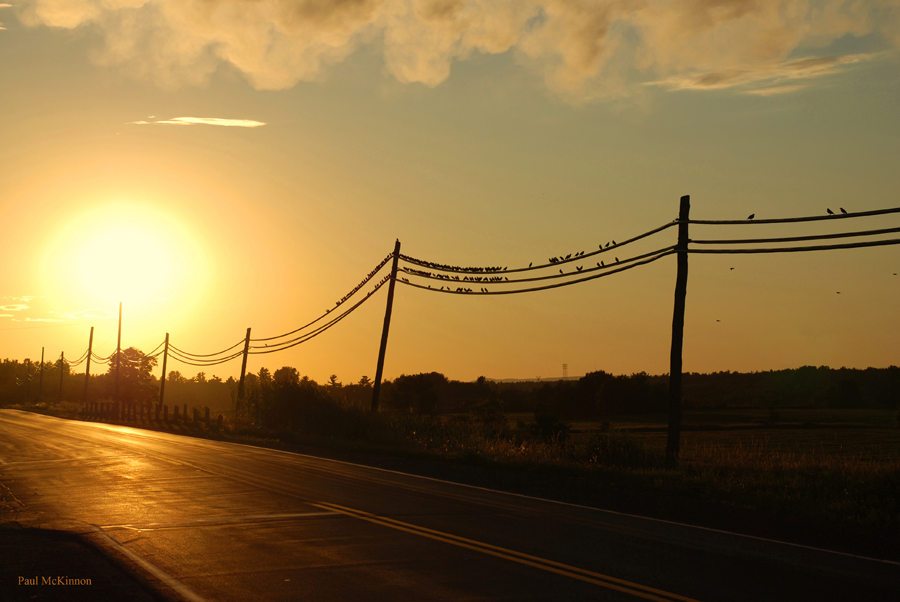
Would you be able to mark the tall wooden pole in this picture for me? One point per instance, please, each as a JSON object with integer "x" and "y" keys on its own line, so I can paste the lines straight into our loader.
{"x": 673, "y": 444}
{"x": 118, "y": 353}
{"x": 41, "y": 382}
{"x": 87, "y": 370}
{"x": 162, "y": 381}
{"x": 62, "y": 362}
{"x": 376, "y": 387}
{"x": 244, "y": 368}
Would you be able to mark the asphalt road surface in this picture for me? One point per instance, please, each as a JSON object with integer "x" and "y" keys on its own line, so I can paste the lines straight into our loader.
{"x": 206, "y": 520}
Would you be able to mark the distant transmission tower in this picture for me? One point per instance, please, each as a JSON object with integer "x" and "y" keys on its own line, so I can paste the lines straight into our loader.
{"x": 565, "y": 370}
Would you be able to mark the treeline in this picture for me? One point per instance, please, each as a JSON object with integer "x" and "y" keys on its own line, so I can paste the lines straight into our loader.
{"x": 280, "y": 397}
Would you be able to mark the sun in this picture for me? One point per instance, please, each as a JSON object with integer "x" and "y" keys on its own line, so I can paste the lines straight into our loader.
{"x": 125, "y": 260}
{"x": 125, "y": 252}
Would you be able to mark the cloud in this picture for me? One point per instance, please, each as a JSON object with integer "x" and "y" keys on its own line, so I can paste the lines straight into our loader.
{"x": 16, "y": 307}
{"x": 6, "y": 315}
{"x": 581, "y": 48}
{"x": 44, "y": 320}
{"x": 765, "y": 74}
{"x": 243, "y": 123}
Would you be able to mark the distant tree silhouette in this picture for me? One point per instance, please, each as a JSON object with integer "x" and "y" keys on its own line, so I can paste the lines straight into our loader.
{"x": 333, "y": 381}
{"x": 365, "y": 382}
{"x": 136, "y": 382}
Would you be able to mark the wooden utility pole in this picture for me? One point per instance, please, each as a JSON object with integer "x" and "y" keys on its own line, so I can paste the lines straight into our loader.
{"x": 376, "y": 387}
{"x": 41, "y": 383}
{"x": 87, "y": 370}
{"x": 118, "y": 353}
{"x": 62, "y": 362}
{"x": 243, "y": 368}
{"x": 162, "y": 381}
{"x": 673, "y": 444}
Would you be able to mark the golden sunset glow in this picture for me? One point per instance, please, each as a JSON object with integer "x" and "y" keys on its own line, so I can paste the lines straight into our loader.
{"x": 223, "y": 166}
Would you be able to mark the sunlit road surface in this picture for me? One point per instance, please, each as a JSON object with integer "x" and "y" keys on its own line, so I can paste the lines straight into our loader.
{"x": 221, "y": 521}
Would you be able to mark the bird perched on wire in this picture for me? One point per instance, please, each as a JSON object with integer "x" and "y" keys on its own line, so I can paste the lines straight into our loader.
{"x": 617, "y": 260}
{"x": 529, "y": 264}
{"x": 751, "y": 216}
{"x": 830, "y": 212}
{"x": 560, "y": 271}
{"x": 844, "y": 211}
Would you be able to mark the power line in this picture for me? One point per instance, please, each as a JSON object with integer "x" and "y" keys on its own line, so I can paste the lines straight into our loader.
{"x": 324, "y": 327}
{"x": 852, "y": 245}
{"x": 737, "y": 241}
{"x": 815, "y": 218}
{"x": 662, "y": 253}
{"x": 559, "y": 261}
{"x": 345, "y": 298}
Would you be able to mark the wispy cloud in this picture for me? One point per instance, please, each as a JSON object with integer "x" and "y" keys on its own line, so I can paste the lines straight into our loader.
{"x": 6, "y": 315}
{"x": 581, "y": 48}
{"x": 240, "y": 123}
{"x": 4, "y": 5}
{"x": 44, "y": 320}
{"x": 16, "y": 307}
{"x": 766, "y": 79}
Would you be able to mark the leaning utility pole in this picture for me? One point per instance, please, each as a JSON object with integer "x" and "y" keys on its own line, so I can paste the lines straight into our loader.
{"x": 376, "y": 387}
{"x": 673, "y": 444}
{"x": 87, "y": 370}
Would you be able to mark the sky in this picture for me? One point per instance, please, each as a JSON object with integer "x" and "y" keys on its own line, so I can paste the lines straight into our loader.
{"x": 216, "y": 165}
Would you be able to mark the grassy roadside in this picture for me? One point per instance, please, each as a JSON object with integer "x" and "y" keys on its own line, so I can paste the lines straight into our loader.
{"x": 758, "y": 483}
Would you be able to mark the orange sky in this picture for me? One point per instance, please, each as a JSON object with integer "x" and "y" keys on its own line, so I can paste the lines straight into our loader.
{"x": 218, "y": 166}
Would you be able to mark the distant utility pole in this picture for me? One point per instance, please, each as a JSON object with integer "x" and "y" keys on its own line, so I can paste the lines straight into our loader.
{"x": 162, "y": 381}
{"x": 87, "y": 370}
{"x": 244, "y": 367}
{"x": 376, "y": 387}
{"x": 41, "y": 383}
{"x": 565, "y": 370}
{"x": 62, "y": 361}
{"x": 673, "y": 444}
{"x": 118, "y": 353}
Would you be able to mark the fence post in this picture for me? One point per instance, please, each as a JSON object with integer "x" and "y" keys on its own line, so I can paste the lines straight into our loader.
{"x": 243, "y": 370}
{"x": 162, "y": 381}
{"x": 87, "y": 370}
{"x": 673, "y": 444}
{"x": 62, "y": 361}
{"x": 376, "y": 387}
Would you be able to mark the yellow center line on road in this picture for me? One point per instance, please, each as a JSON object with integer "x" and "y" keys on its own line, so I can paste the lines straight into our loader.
{"x": 634, "y": 589}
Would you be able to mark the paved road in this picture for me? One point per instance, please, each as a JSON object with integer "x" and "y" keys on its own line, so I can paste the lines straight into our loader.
{"x": 221, "y": 521}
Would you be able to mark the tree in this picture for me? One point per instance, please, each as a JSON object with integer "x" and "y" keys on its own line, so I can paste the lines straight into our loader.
{"x": 365, "y": 382}
{"x": 333, "y": 381}
{"x": 135, "y": 376}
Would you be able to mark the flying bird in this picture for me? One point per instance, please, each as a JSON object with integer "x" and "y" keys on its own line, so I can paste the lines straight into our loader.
{"x": 839, "y": 292}
{"x": 751, "y": 216}
{"x": 732, "y": 268}
{"x": 579, "y": 268}
{"x": 718, "y": 320}
{"x": 830, "y": 212}
{"x": 844, "y": 211}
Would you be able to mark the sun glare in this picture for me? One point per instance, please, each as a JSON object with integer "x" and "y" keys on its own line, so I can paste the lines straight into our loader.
{"x": 131, "y": 253}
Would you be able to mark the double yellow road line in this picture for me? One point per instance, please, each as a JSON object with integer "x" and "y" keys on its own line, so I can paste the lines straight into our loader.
{"x": 634, "y": 589}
